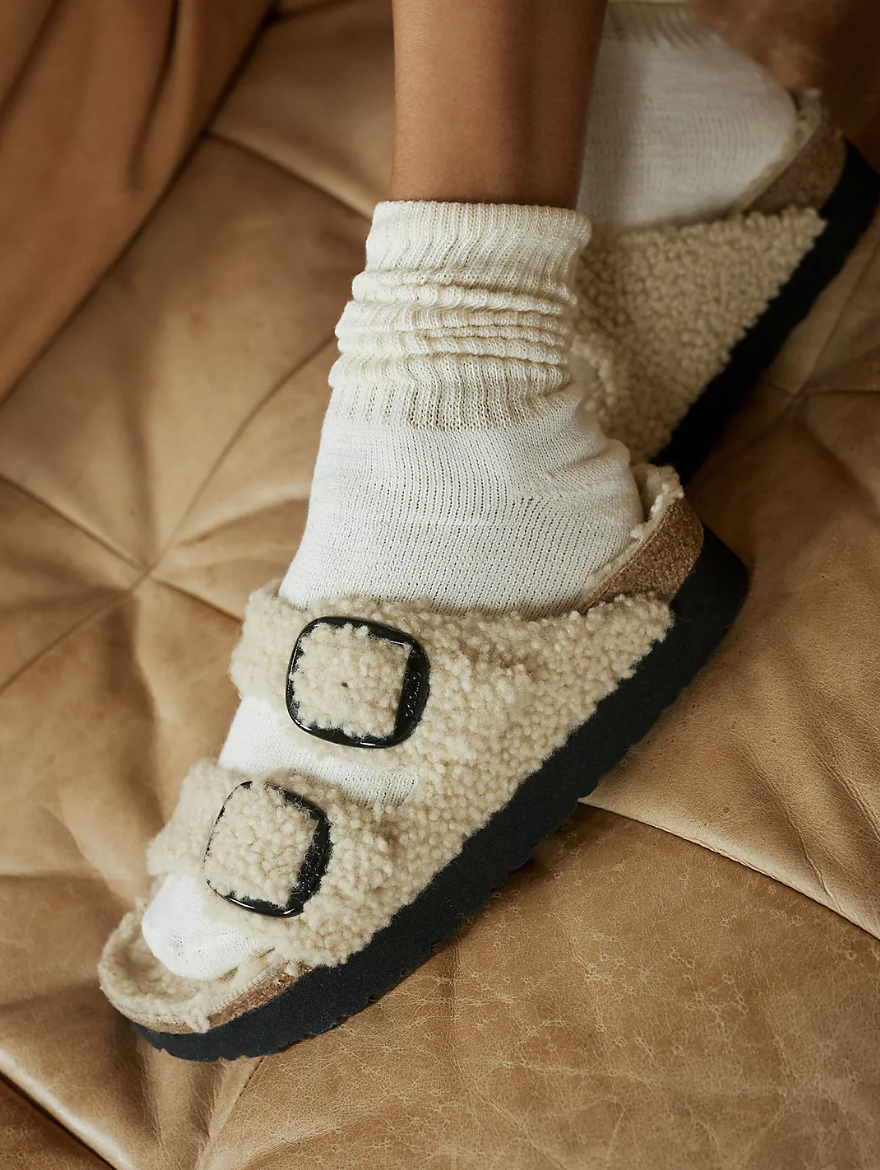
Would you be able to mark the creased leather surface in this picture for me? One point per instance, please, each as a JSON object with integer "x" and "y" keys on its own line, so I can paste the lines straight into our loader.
{"x": 627, "y": 1000}
{"x": 633, "y": 998}
{"x": 28, "y": 1138}
{"x": 790, "y": 698}
{"x": 99, "y": 102}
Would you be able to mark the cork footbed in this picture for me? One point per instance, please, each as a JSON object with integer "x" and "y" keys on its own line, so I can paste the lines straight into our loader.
{"x": 807, "y": 179}
{"x": 270, "y": 984}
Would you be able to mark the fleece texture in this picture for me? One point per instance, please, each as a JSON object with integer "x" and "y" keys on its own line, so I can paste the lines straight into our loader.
{"x": 661, "y": 310}
{"x": 344, "y": 678}
{"x": 258, "y": 846}
{"x": 505, "y": 693}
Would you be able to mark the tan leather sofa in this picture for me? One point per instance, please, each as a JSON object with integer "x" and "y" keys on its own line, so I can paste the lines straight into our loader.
{"x": 687, "y": 976}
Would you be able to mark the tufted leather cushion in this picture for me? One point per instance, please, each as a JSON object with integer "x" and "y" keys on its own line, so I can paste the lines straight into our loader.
{"x": 686, "y": 976}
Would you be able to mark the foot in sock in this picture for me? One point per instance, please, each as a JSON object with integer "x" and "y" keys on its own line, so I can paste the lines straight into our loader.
{"x": 681, "y": 122}
{"x": 456, "y": 468}
{"x": 456, "y": 465}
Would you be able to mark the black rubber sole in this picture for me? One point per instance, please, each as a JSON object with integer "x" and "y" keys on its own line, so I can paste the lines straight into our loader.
{"x": 848, "y": 212}
{"x": 704, "y": 609}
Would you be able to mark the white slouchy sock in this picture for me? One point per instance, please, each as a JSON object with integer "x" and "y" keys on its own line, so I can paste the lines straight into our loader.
{"x": 455, "y": 466}
{"x": 456, "y": 469}
{"x": 681, "y": 122}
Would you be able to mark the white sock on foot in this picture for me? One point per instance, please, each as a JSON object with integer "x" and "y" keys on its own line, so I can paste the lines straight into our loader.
{"x": 456, "y": 466}
{"x": 681, "y": 122}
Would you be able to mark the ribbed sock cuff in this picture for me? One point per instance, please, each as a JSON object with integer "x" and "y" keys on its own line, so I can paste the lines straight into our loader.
{"x": 462, "y": 316}
{"x": 662, "y": 22}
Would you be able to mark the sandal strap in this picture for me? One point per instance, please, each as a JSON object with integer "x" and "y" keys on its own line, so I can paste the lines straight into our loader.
{"x": 265, "y": 844}
{"x": 359, "y": 674}
{"x": 505, "y": 693}
{"x": 343, "y": 677}
{"x": 269, "y": 849}
{"x": 425, "y": 686}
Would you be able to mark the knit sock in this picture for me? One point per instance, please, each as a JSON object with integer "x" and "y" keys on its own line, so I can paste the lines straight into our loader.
{"x": 456, "y": 467}
{"x": 457, "y": 470}
{"x": 681, "y": 122}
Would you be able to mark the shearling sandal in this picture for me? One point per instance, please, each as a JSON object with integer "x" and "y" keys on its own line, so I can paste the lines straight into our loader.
{"x": 677, "y": 323}
{"x": 496, "y": 725}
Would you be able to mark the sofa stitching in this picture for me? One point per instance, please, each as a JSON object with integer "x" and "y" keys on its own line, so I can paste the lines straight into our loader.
{"x": 120, "y": 554}
{"x": 308, "y": 357}
{"x": 218, "y": 1130}
{"x": 803, "y": 391}
{"x": 721, "y": 852}
{"x": 150, "y": 569}
{"x": 247, "y": 149}
{"x": 720, "y": 460}
{"x": 149, "y": 572}
{"x": 224, "y": 453}
{"x": 190, "y": 596}
{"x": 44, "y": 1112}
{"x": 69, "y": 632}
{"x": 867, "y": 267}
{"x": 828, "y": 456}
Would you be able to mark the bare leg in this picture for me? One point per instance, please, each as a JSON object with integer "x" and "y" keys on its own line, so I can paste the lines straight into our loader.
{"x": 492, "y": 98}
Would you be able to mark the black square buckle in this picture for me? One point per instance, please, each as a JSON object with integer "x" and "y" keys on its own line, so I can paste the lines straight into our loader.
{"x": 311, "y": 871}
{"x": 413, "y": 692}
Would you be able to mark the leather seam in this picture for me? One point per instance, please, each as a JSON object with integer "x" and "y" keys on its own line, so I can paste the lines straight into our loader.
{"x": 225, "y": 140}
{"x": 104, "y": 543}
{"x": 719, "y": 852}
{"x": 218, "y": 1132}
{"x": 224, "y": 453}
{"x": 868, "y": 266}
{"x": 23, "y": 1095}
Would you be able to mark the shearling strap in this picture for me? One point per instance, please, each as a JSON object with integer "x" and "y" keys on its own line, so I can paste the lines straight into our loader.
{"x": 660, "y": 310}
{"x": 356, "y": 682}
{"x": 505, "y": 693}
{"x": 345, "y": 677}
{"x": 356, "y": 673}
{"x": 268, "y": 849}
{"x": 270, "y": 845}
{"x": 425, "y": 686}
{"x": 489, "y": 697}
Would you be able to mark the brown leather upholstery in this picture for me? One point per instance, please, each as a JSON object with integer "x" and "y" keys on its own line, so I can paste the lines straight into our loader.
{"x": 687, "y": 975}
